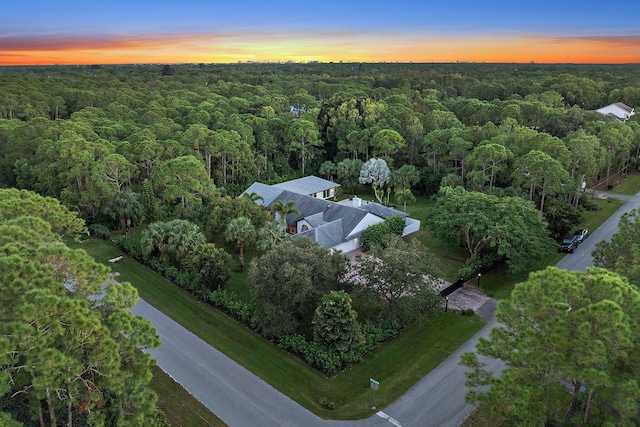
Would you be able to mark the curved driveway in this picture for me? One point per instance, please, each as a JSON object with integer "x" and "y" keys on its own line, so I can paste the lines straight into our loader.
{"x": 242, "y": 399}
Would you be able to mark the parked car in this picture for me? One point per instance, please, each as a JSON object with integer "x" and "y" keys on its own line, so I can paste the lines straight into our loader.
{"x": 569, "y": 244}
{"x": 582, "y": 234}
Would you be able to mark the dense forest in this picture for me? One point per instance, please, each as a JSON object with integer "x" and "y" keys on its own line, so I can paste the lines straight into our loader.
{"x": 82, "y": 134}
{"x": 91, "y": 136}
{"x": 505, "y": 148}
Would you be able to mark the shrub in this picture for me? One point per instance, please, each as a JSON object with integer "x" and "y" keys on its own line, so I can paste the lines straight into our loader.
{"x": 313, "y": 353}
{"x": 159, "y": 419}
{"x": 328, "y": 404}
{"x": 158, "y": 265}
{"x": 228, "y": 302}
{"x": 100, "y": 231}
{"x": 395, "y": 224}
{"x": 374, "y": 235}
{"x": 588, "y": 203}
{"x": 128, "y": 245}
{"x": 330, "y": 361}
{"x": 210, "y": 267}
{"x": 374, "y": 334}
{"x": 179, "y": 276}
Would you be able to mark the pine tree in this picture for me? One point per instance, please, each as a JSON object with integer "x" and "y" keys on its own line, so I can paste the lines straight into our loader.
{"x": 149, "y": 203}
{"x": 334, "y": 322}
{"x": 71, "y": 357}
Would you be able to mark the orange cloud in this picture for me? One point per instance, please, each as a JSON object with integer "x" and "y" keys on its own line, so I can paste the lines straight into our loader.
{"x": 316, "y": 46}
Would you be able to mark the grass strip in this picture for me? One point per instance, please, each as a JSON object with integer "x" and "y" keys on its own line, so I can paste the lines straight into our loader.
{"x": 182, "y": 409}
{"x": 629, "y": 186}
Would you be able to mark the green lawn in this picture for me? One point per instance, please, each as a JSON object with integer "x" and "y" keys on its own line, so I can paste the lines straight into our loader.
{"x": 451, "y": 260}
{"x": 629, "y": 186}
{"x": 182, "y": 409}
{"x": 397, "y": 365}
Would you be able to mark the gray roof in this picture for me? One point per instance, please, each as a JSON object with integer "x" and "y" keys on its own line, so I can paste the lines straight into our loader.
{"x": 327, "y": 235}
{"x": 382, "y": 211}
{"x": 305, "y": 204}
{"x": 310, "y": 207}
{"x": 315, "y": 220}
{"x": 267, "y": 192}
{"x": 624, "y": 107}
{"x": 307, "y": 185}
{"x": 349, "y": 216}
{"x": 331, "y": 222}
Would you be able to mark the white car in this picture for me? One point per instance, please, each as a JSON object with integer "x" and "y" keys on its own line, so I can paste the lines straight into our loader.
{"x": 582, "y": 234}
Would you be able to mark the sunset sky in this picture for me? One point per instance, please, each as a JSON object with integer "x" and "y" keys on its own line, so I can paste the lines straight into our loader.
{"x": 142, "y": 31}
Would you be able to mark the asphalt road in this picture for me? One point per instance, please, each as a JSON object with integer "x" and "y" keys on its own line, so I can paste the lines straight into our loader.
{"x": 581, "y": 258}
{"x": 241, "y": 399}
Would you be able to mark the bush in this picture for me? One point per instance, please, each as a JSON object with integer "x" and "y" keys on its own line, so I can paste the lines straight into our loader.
{"x": 178, "y": 276}
{"x": 328, "y": 404}
{"x": 228, "y": 302}
{"x": 395, "y": 224}
{"x": 159, "y": 419}
{"x": 313, "y": 353}
{"x": 100, "y": 231}
{"x": 158, "y": 265}
{"x": 374, "y": 334}
{"x": 588, "y": 203}
{"x": 210, "y": 267}
{"x": 375, "y": 235}
{"x": 128, "y": 245}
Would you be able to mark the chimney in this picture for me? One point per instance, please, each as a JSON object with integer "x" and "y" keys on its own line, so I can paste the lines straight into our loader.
{"x": 356, "y": 202}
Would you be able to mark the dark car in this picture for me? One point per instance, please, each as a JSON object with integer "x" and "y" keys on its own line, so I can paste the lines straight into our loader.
{"x": 582, "y": 234}
{"x": 569, "y": 244}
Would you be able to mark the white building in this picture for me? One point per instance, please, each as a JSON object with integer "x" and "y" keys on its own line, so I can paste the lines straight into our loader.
{"x": 618, "y": 110}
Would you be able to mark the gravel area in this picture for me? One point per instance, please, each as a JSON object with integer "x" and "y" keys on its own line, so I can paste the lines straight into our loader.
{"x": 467, "y": 297}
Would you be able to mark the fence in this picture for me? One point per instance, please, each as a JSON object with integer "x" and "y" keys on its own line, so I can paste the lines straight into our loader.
{"x": 453, "y": 287}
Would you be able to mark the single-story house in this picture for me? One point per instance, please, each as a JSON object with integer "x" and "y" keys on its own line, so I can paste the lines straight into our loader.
{"x": 334, "y": 225}
{"x": 618, "y": 110}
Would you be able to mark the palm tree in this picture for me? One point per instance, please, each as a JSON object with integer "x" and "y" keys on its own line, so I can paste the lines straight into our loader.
{"x": 253, "y": 196}
{"x": 271, "y": 235}
{"x": 126, "y": 207}
{"x": 183, "y": 237}
{"x": 404, "y": 197}
{"x": 242, "y": 232}
{"x": 284, "y": 208}
{"x": 154, "y": 240}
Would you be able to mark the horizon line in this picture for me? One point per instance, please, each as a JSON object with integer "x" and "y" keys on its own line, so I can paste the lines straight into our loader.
{"x": 251, "y": 62}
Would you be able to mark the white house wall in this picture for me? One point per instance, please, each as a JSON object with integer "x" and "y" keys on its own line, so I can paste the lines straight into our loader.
{"x": 349, "y": 246}
{"x": 411, "y": 226}
{"x": 365, "y": 222}
{"x": 320, "y": 194}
